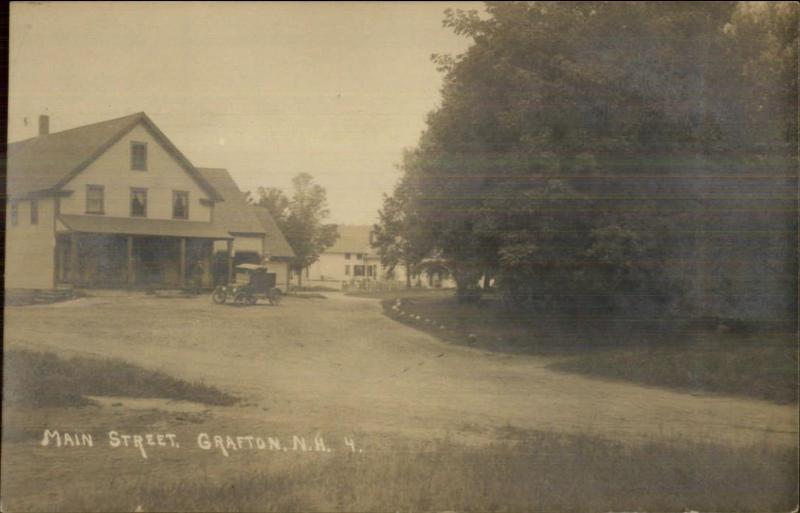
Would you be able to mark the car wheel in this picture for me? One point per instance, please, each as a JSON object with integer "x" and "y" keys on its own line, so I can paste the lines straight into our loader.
{"x": 275, "y": 297}
{"x": 219, "y": 297}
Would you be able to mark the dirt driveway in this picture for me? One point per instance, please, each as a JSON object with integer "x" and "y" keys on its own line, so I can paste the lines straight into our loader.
{"x": 338, "y": 363}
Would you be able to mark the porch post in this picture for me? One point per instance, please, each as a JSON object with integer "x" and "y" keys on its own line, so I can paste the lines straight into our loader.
{"x": 209, "y": 272}
{"x": 230, "y": 261}
{"x": 182, "y": 267}
{"x": 131, "y": 275}
{"x": 73, "y": 258}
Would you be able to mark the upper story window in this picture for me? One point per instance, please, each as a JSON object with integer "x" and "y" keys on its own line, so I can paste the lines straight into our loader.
{"x": 139, "y": 156}
{"x": 180, "y": 204}
{"x": 34, "y": 211}
{"x": 359, "y": 256}
{"x": 347, "y": 256}
{"x": 138, "y": 202}
{"x": 14, "y": 214}
{"x": 94, "y": 199}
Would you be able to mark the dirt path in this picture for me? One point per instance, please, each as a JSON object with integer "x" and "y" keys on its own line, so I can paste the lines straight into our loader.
{"x": 339, "y": 363}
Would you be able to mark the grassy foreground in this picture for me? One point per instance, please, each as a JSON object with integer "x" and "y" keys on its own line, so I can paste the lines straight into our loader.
{"x": 761, "y": 365}
{"x": 43, "y": 379}
{"x": 542, "y": 472}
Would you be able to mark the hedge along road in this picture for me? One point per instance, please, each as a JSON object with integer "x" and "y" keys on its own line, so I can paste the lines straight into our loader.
{"x": 339, "y": 363}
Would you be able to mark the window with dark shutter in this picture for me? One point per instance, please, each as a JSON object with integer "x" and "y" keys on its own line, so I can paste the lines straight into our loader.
{"x": 34, "y": 211}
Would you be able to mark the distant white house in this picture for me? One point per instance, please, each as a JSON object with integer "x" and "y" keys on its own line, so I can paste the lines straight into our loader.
{"x": 352, "y": 260}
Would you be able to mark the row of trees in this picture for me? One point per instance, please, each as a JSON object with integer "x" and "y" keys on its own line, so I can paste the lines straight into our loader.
{"x": 610, "y": 155}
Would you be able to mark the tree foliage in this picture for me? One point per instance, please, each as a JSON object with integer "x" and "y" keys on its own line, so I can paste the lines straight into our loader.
{"x": 301, "y": 218}
{"x": 400, "y": 237}
{"x": 590, "y": 154}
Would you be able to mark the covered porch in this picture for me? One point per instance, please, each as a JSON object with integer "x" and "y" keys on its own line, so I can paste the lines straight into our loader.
{"x": 103, "y": 252}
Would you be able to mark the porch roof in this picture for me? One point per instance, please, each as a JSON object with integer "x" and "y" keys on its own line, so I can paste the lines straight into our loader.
{"x": 142, "y": 226}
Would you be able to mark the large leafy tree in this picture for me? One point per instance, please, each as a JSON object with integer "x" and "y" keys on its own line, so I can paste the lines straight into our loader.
{"x": 274, "y": 200}
{"x": 582, "y": 151}
{"x": 301, "y": 218}
{"x": 399, "y": 237}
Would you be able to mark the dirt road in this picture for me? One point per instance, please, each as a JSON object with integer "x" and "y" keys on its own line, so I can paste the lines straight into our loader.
{"x": 338, "y": 363}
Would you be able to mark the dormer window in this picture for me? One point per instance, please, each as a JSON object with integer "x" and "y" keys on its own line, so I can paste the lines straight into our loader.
{"x": 139, "y": 156}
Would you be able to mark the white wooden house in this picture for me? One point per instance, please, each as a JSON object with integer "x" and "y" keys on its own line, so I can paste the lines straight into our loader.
{"x": 352, "y": 260}
{"x": 114, "y": 204}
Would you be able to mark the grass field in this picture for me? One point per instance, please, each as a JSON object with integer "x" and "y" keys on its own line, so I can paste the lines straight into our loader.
{"x": 44, "y": 379}
{"x": 762, "y": 365}
{"x": 536, "y": 472}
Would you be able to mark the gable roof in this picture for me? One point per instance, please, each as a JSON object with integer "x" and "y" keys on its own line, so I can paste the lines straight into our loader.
{"x": 233, "y": 214}
{"x": 352, "y": 239}
{"x": 276, "y": 243}
{"x": 45, "y": 163}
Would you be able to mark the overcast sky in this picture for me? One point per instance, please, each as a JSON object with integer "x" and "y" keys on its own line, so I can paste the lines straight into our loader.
{"x": 265, "y": 90}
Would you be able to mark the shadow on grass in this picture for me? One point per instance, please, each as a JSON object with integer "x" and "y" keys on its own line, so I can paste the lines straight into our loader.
{"x": 761, "y": 367}
{"x": 758, "y": 363}
{"x": 36, "y": 379}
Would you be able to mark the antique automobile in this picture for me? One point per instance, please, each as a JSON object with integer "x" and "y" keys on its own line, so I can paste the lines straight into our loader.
{"x": 253, "y": 283}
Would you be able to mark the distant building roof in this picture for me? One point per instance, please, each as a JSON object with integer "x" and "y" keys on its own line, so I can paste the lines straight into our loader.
{"x": 233, "y": 214}
{"x": 276, "y": 243}
{"x": 45, "y": 163}
{"x": 352, "y": 239}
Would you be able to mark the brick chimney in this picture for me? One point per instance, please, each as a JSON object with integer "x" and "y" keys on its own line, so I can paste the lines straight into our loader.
{"x": 44, "y": 124}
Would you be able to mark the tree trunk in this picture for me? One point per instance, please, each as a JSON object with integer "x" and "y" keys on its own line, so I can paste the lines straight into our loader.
{"x": 467, "y": 285}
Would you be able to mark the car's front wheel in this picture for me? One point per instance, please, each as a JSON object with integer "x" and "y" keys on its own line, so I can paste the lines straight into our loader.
{"x": 219, "y": 297}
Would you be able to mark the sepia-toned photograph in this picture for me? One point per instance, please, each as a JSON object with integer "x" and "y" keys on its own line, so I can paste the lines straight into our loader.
{"x": 401, "y": 257}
